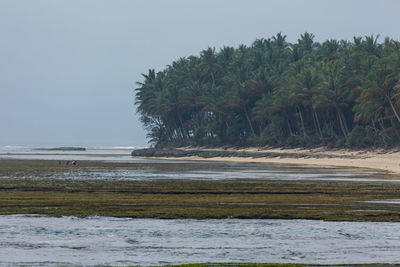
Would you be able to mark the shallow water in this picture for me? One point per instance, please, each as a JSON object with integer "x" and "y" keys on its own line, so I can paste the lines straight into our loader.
{"x": 386, "y": 201}
{"x": 150, "y": 169}
{"x": 118, "y": 154}
{"x": 146, "y": 170}
{"x": 46, "y": 241}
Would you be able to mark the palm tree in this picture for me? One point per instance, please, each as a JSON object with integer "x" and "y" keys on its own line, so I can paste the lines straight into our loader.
{"x": 209, "y": 64}
{"x": 305, "y": 91}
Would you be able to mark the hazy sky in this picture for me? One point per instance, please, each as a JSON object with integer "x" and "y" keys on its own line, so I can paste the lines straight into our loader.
{"x": 68, "y": 68}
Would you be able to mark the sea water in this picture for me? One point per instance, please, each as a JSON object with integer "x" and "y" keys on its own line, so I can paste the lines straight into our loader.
{"x": 46, "y": 241}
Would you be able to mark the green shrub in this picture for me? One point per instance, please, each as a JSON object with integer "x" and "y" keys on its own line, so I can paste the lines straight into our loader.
{"x": 341, "y": 143}
{"x": 357, "y": 137}
{"x": 295, "y": 141}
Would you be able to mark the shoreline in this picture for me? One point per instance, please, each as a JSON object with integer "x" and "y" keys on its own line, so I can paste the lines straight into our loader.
{"x": 379, "y": 159}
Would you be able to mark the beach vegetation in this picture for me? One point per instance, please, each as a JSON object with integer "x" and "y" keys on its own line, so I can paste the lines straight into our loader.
{"x": 358, "y": 137}
{"x": 275, "y": 93}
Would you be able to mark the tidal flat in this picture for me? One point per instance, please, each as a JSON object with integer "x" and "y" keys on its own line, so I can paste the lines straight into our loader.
{"x": 30, "y": 187}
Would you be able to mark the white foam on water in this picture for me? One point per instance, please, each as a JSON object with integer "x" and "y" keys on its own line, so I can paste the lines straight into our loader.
{"x": 384, "y": 201}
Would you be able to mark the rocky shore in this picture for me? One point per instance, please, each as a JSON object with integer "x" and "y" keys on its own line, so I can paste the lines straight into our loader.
{"x": 225, "y": 153}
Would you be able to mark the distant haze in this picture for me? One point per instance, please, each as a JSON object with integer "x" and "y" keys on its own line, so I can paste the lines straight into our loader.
{"x": 68, "y": 68}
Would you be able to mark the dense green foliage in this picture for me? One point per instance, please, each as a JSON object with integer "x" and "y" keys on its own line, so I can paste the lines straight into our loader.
{"x": 335, "y": 93}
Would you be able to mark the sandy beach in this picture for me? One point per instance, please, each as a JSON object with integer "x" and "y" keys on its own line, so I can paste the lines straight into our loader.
{"x": 379, "y": 159}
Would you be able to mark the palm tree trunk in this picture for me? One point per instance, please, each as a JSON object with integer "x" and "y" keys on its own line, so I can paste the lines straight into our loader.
{"x": 393, "y": 122}
{"x": 343, "y": 121}
{"x": 393, "y": 108}
{"x": 302, "y": 121}
{"x": 169, "y": 133}
{"x": 213, "y": 79}
{"x": 374, "y": 126}
{"x": 341, "y": 124}
{"x": 289, "y": 127}
{"x": 319, "y": 125}
{"x": 316, "y": 123}
{"x": 382, "y": 124}
{"x": 183, "y": 131}
{"x": 168, "y": 129}
{"x": 249, "y": 121}
{"x": 288, "y": 122}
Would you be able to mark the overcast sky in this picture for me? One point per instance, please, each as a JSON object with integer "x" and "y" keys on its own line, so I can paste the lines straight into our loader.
{"x": 68, "y": 68}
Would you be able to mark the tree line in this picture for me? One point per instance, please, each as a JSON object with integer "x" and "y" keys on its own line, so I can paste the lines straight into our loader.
{"x": 335, "y": 93}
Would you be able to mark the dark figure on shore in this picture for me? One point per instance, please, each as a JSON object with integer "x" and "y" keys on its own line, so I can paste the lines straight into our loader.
{"x": 74, "y": 162}
{"x": 59, "y": 162}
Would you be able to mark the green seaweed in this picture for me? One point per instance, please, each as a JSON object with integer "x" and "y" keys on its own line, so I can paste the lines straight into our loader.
{"x": 182, "y": 199}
